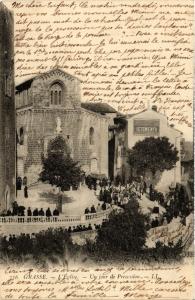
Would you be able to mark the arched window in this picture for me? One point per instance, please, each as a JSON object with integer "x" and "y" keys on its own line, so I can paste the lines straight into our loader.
{"x": 60, "y": 97}
{"x": 91, "y": 136}
{"x": 21, "y": 139}
{"x": 52, "y": 98}
{"x": 56, "y": 94}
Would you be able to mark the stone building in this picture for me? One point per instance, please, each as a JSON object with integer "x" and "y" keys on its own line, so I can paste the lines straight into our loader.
{"x": 50, "y": 104}
{"x": 7, "y": 109}
{"x": 97, "y": 136}
{"x": 152, "y": 123}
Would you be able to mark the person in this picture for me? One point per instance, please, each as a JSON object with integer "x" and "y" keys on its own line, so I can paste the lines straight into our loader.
{"x": 25, "y": 192}
{"x": 89, "y": 227}
{"x": 21, "y": 210}
{"x": 151, "y": 192}
{"x": 41, "y": 212}
{"x": 156, "y": 222}
{"x": 98, "y": 209}
{"x": 104, "y": 206}
{"x": 104, "y": 194}
{"x": 153, "y": 224}
{"x": 25, "y": 180}
{"x": 55, "y": 212}
{"x": 144, "y": 187}
{"x": 84, "y": 228}
{"x": 115, "y": 198}
{"x": 9, "y": 212}
{"x": 14, "y": 238}
{"x": 100, "y": 194}
{"x": 29, "y": 212}
{"x": 19, "y": 183}
{"x": 93, "y": 210}
{"x": 48, "y": 213}
{"x": 10, "y": 239}
{"x": 87, "y": 211}
{"x": 69, "y": 229}
{"x": 35, "y": 212}
{"x": 15, "y": 208}
{"x": 33, "y": 238}
{"x": 164, "y": 221}
{"x": 108, "y": 197}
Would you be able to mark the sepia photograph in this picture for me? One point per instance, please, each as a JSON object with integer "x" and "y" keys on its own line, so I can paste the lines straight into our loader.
{"x": 96, "y": 149}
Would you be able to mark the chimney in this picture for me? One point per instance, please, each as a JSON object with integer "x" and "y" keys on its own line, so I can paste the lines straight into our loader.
{"x": 154, "y": 107}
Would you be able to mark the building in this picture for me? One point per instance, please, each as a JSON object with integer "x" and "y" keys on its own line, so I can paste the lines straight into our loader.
{"x": 7, "y": 109}
{"x": 152, "y": 123}
{"x": 187, "y": 161}
{"x": 97, "y": 135}
{"x": 50, "y": 104}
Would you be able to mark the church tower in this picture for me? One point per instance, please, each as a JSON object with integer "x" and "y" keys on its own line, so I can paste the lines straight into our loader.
{"x": 7, "y": 109}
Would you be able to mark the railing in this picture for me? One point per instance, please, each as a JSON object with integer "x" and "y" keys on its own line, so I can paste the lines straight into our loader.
{"x": 104, "y": 214}
{"x": 55, "y": 219}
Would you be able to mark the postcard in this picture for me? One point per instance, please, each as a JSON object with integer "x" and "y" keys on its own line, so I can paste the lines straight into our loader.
{"x": 96, "y": 151}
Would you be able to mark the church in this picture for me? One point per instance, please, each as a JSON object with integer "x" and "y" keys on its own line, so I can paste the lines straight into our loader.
{"x": 49, "y": 105}
{"x": 96, "y": 135}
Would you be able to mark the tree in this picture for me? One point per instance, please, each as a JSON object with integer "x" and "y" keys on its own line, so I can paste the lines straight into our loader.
{"x": 153, "y": 154}
{"x": 123, "y": 232}
{"x": 58, "y": 167}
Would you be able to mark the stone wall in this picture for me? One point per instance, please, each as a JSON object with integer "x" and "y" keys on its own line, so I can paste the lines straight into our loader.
{"x": 36, "y": 91}
{"x": 7, "y": 110}
{"x": 41, "y": 121}
{"x": 40, "y": 126}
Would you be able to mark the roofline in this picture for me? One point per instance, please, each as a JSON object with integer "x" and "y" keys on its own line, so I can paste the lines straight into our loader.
{"x": 80, "y": 109}
{"x": 94, "y": 113}
{"x": 45, "y": 73}
{"x": 100, "y": 103}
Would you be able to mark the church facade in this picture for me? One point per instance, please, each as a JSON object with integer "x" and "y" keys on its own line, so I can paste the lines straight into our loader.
{"x": 7, "y": 109}
{"x": 49, "y": 105}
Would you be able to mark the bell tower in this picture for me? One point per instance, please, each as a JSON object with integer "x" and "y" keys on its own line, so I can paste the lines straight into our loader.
{"x": 7, "y": 109}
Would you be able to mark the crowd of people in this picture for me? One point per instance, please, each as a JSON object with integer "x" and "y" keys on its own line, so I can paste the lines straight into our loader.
{"x": 115, "y": 193}
{"x": 176, "y": 202}
{"x": 10, "y": 240}
{"x": 80, "y": 228}
{"x": 21, "y": 211}
{"x": 97, "y": 209}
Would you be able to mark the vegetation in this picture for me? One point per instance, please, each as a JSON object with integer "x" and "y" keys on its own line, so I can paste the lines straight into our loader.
{"x": 180, "y": 202}
{"x": 123, "y": 232}
{"x": 49, "y": 245}
{"x": 59, "y": 168}
{"x": 153, "y": 154}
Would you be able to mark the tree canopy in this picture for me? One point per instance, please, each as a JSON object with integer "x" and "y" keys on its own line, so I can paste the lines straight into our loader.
{"x": 153, "y": 154}
{"x": 125, "y": 231}
{"x": 58, "y": 167}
